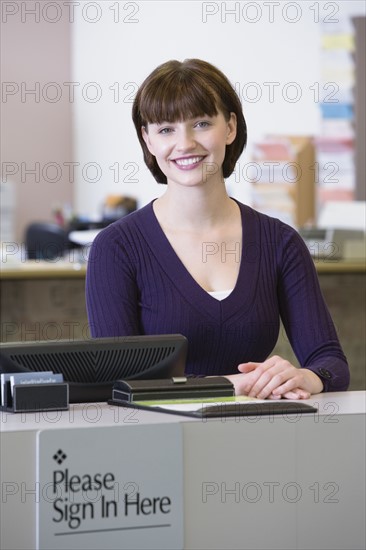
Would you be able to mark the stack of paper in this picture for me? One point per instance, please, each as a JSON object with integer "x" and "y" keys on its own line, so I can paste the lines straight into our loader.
{"x": 335, "y": 147}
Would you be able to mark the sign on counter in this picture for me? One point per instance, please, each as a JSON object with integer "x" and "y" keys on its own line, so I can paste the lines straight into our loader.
{"x": 110, "y": 487}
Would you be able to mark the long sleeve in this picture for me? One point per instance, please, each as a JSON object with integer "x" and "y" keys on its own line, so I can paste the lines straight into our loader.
{"x": 111, "y": 290}
{"x": 305, "y": 315}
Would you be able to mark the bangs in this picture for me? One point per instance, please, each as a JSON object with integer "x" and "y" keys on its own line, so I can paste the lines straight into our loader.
{"x": 177, "y": 97}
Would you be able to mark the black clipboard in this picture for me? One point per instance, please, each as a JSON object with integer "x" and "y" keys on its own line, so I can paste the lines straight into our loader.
{"x": 229, "y": 410}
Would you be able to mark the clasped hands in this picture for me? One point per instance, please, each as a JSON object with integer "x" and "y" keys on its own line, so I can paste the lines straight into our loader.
{"x": 275, "y": 378}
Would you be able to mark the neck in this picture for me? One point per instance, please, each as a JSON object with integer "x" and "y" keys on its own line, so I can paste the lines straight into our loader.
{"x": 194, "y": 208}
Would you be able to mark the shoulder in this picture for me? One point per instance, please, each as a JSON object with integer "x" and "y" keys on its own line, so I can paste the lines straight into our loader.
{"x": 273, "y": 237}
{"x": 125, "y": 228}
{"x": 268, "y": 226}
{"x": 122, "y": 237}
{"x": 130, "y": 222}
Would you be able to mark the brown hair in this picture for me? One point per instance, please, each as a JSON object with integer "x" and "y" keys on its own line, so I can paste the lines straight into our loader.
{"x": 175, "y": 91}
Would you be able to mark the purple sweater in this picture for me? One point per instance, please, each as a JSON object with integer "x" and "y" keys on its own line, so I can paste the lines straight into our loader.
{"x": 136, "y": 284}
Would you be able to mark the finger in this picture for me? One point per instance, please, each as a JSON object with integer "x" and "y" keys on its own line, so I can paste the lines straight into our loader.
{"x": 272, "y": 379}
{"x": 241, "y": 382}
{"x": 296, "y": 393}
{"x": 249, "y": 374}
{"x": 293, "y": 383}
{"x": 252, "y": 365}
{"x": 256, "y": 381}
{"x": 247, "y": 367}
{"x": 245, "y": 381}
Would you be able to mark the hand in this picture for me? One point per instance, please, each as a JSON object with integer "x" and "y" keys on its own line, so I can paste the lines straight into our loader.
{"x": 275, "y": 378}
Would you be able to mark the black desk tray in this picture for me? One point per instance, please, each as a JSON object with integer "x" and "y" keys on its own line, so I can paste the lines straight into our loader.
{"x": 36, "y": 397}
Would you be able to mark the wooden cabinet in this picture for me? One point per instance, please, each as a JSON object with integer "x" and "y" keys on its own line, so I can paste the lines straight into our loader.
{"x": 283, "y": 179}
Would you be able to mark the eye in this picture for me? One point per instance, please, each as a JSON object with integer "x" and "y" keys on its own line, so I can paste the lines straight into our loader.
{"x": 203, "y": 124}
{"x": 165, "y": 130}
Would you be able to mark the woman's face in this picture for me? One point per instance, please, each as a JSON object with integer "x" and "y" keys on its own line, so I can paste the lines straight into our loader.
{"x": 191, "y": 152}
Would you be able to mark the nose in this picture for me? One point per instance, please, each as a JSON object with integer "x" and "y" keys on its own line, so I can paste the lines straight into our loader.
{"x": 185, "y": 140}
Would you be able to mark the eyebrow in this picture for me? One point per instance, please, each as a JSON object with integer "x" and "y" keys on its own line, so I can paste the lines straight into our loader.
{"x": 198, "y": 117}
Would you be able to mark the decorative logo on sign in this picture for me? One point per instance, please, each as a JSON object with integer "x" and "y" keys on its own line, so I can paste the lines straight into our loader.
{"x": 60, "y": 456}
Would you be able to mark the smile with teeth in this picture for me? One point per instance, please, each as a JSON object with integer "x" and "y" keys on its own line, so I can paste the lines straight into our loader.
{"x": 188, "y": 161}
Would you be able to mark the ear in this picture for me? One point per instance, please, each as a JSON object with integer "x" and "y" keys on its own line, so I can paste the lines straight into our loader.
{"x": 231, "y": 129}
{"x": 146, "y": 139}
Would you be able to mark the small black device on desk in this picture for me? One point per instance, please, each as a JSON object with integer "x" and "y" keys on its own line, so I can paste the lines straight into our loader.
{"x": 172, "y": 388}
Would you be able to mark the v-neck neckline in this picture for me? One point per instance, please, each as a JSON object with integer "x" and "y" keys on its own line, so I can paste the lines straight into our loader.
{"x": 241, "y": 297}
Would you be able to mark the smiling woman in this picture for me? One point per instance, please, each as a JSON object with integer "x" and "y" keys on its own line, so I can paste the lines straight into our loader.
{"x": 199, "y": 263}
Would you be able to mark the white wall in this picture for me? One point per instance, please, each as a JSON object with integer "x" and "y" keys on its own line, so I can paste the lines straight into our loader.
{"x": 121, "y": 54}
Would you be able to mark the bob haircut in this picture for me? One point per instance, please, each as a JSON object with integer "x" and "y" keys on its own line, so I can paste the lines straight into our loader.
{"x": 176, "y": 91}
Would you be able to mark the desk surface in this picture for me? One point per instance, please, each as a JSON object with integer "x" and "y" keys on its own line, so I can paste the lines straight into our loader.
{"x": 101, "y": 414}
{"x": 34, "y": 269}
{"x": 57, "y": 269}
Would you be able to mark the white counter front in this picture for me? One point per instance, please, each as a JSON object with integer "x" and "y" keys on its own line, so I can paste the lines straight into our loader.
{"x": 295, "y": 481}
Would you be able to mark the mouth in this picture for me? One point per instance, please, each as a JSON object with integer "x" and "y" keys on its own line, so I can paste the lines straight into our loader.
{"x": 188, "y": 163}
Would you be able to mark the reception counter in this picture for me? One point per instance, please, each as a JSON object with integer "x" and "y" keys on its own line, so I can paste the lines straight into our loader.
{"x": 268, "y": 482}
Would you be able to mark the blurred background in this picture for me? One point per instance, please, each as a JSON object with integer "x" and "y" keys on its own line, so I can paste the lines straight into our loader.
{"x": 71, "y": 162}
